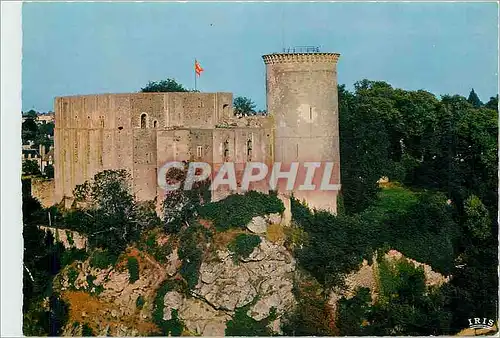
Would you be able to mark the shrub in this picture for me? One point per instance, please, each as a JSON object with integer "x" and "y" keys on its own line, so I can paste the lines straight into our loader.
{"x": 275, "y": 233}
{"x": 243, "y": 245}
{"x": 73, "y": 254}
{"x": 69, "y": 236}
{"x": 72, "y": 276}
{"x": 102, "y": 259}
{"x": 159, "y": 252}
{"x": 87, "y": 331}
{"x": 243, "y": 325}
{"x": 133, "y": 269}
{"x": 192, "y": 242}
{"x": 174, "y": 326}
{"x": 139, "y": 302}
{"x": 237, "y": 210}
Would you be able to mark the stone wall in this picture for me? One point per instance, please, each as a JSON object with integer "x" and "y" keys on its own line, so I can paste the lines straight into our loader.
{"x": 302, "y": 99}
{"x": 70, "y": 239}
{"x": 43, "y": 190}
{"x": 120, "y": 131}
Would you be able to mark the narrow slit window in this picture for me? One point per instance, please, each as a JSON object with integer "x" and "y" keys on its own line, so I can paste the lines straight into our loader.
{"x": 199, "y": 151}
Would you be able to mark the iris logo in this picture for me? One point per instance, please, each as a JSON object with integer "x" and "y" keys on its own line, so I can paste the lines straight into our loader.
{"x": 481, "y": 323}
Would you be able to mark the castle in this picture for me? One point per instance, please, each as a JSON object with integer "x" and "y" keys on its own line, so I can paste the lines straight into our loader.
{"x": 141, "y": 131}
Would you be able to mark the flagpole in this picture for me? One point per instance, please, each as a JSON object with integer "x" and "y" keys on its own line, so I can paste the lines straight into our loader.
{"x": 195, "y": 74}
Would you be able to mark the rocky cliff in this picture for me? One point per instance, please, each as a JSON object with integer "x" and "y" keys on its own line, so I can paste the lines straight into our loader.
{"x": 112, "y": 303}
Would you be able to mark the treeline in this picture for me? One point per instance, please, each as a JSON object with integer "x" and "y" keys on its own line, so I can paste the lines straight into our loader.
{"x": 444, "y": 152}
{"x": 449, "y": 144}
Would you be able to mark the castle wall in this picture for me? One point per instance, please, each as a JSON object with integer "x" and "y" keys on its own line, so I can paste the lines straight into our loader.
{"x": 127, "y": 131}
{"x": 303, "y": 100}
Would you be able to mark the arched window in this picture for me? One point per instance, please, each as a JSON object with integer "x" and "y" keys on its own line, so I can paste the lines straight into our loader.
{"x": 143, "y": 121}
{"x": 249, "y": 150}
{"x": 155, "y": 124}
{"x": 226, "y": 150}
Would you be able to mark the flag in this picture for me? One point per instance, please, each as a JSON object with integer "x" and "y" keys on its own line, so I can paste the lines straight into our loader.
{"x": 197, "y": 68}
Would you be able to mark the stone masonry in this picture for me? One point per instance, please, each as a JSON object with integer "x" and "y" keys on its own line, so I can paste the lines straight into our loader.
{"x": 140, "y": 132}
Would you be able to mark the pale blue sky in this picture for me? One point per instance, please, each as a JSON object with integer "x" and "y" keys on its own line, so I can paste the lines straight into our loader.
{"x": 86, "y": 48}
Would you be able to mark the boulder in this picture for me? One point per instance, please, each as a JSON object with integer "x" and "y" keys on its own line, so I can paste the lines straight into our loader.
{"x": 257, "y": 225}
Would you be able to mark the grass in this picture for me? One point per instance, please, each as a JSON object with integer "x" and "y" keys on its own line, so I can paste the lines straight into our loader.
{"x": 393, "y": 199}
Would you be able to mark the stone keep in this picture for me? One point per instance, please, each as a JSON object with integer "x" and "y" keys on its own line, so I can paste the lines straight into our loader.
{"x": 140, "y": 132}
{"x": 302, "y": 99}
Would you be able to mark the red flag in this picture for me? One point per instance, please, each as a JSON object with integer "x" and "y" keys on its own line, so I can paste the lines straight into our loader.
{"x": 197, "y": 68}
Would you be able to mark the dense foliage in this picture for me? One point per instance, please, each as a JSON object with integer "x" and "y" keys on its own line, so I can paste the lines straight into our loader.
{"x": 404, "y": 306}
{"x": 168, "y": 85}
{"x": 109, "y": 215}
{"x": 238, "y": 210}
{"x": 243, "y": 325}
{"x": 192, "y": 242}
{"x": 243, "y": 245}
{"x": 444, "y": 153}
{"x": 411, "y": 136}
{"x": 133, "y": 269}
{"x": 173, "y": 326}
{"x": 38, "y": 133}
{"x": 243, "y": 106}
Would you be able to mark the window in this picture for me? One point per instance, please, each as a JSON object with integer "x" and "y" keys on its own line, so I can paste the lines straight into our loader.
{"x": 155, "y": 124}
{"x": 226, "y": 150}
{"x": 143, "y": 121}
{"x": 249, "y": 150}
{"x": 310, "y": 113}
{"x": 199, "y": 151}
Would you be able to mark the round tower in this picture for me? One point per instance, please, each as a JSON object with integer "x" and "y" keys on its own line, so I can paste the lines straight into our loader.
{"x": 302, "y": 99}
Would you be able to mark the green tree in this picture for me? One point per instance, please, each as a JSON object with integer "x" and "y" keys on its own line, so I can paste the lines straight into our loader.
{"x": 31, "y": 114}
{"x": 243, "y": 106}
{"x": 29, "y": 130}
{"x": 49, "y": 171}
{"x": 31, "y": 168}
{"x": 110, "y": 217}
{"x": 46, "y": 128}
{"x": 168, "y": 85}
{"x": 364, "y": 150}
{"x": 477, "y": 221}
{"x": 474, "y": 100}
{"x": 492, "y": 103}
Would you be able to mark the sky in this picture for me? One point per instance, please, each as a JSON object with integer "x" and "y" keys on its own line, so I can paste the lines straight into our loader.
{"x": 90, "y": 48}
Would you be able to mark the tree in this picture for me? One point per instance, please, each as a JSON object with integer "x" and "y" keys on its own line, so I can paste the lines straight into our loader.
{"x": 474, "y": 100}
{"x": 243, "y": 106}
{"x": 110, "y": 216}
{"x": 31, "y": 114}
{"x": 477, "y": 221}
{"x": 46, "y": 128}
{"x": 49, "y": 171}
{"x": 29, "y": 130}
{"x": 31, "y": 168}
{"x": 168, "y": 85}
{"x": 364, "y": 149}
{"x": 492, "y": 103}
{"x": 180, "y": 205}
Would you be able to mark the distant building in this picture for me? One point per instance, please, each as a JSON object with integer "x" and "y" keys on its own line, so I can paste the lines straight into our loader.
{"x": 40, "y": 156}
{"x": 46, "y": 118}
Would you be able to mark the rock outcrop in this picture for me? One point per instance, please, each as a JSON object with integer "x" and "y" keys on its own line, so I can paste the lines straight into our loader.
{"x": 366, "y": 277}
{"x": 263, "y": 281}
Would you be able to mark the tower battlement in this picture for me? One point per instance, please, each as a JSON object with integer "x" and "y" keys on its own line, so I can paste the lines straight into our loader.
{"x": 276, "y": 58}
